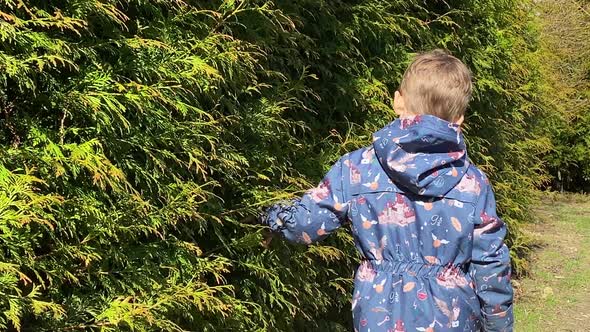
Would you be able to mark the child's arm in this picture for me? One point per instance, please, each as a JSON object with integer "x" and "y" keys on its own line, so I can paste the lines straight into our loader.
{"x": 490, "y": 266}
{"x": 315, "y": 215}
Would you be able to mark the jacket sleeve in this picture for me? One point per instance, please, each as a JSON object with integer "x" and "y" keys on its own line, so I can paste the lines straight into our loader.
{"x": 312, "y": 217}
{"x": 490, "y": 265}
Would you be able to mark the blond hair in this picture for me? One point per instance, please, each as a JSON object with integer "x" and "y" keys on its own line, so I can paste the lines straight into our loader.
{"x": 437, "y": 83}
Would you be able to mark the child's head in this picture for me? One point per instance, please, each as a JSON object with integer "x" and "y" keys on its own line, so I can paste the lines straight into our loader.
{"x": 435, "y": 83}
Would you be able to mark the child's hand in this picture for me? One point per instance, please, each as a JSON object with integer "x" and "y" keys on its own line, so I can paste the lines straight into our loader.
{"x": 267, "y": 234}
{"x": 250, "y": 220}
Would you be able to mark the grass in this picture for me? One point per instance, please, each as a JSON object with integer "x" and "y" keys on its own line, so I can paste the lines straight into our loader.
{"x": 555, "y": 296}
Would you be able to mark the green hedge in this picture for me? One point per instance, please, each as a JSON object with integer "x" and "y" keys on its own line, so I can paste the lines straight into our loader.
{"x": 137, "y": 135}
{"x": 565, "y": 47}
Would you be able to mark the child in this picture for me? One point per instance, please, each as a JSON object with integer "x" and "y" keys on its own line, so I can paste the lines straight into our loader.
{"x": 423, "y": 216}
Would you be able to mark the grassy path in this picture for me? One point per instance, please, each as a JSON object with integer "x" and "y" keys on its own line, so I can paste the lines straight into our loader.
{"x": 556, "y": 295}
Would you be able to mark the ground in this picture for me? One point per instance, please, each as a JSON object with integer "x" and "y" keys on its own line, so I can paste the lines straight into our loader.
{"x": 556, "y": 294}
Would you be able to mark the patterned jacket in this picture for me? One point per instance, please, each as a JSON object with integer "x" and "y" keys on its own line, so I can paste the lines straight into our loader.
{"x": 424, "y": 219}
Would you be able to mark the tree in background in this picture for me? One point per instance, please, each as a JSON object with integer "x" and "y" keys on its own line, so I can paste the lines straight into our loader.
{"x": 565, "y": 31}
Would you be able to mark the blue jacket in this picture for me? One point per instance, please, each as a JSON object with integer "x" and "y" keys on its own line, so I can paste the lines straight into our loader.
{"x": 424, "y": 219}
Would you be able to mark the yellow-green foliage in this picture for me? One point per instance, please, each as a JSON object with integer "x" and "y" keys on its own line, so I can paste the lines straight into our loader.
{"x": 565, "y": 48}
{"x": 138, "y": 135}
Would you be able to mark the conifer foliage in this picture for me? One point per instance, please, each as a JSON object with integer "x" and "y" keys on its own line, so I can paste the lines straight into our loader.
{"x": 565, "y": 45}
{"x": 140, "y": 136}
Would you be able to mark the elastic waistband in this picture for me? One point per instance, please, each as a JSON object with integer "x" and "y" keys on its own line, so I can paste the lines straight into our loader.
{"x": 413, "y": 268}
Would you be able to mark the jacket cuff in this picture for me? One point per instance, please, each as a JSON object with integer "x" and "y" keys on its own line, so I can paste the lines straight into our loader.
{"x": 500, "y": 321}
{"x": 276, "y": 216}
{"x": 280, "y": 217}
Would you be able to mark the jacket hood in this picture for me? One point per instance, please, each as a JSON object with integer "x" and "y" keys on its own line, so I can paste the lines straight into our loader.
{"x": 423, "y": 154}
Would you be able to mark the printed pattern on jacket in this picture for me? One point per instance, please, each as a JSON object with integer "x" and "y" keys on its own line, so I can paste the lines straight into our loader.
{"x": 424, "y": 219}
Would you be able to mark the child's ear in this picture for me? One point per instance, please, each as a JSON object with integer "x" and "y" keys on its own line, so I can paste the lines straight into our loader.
{"x": 399, "y": 105}
{"x": 460, "y": 121}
